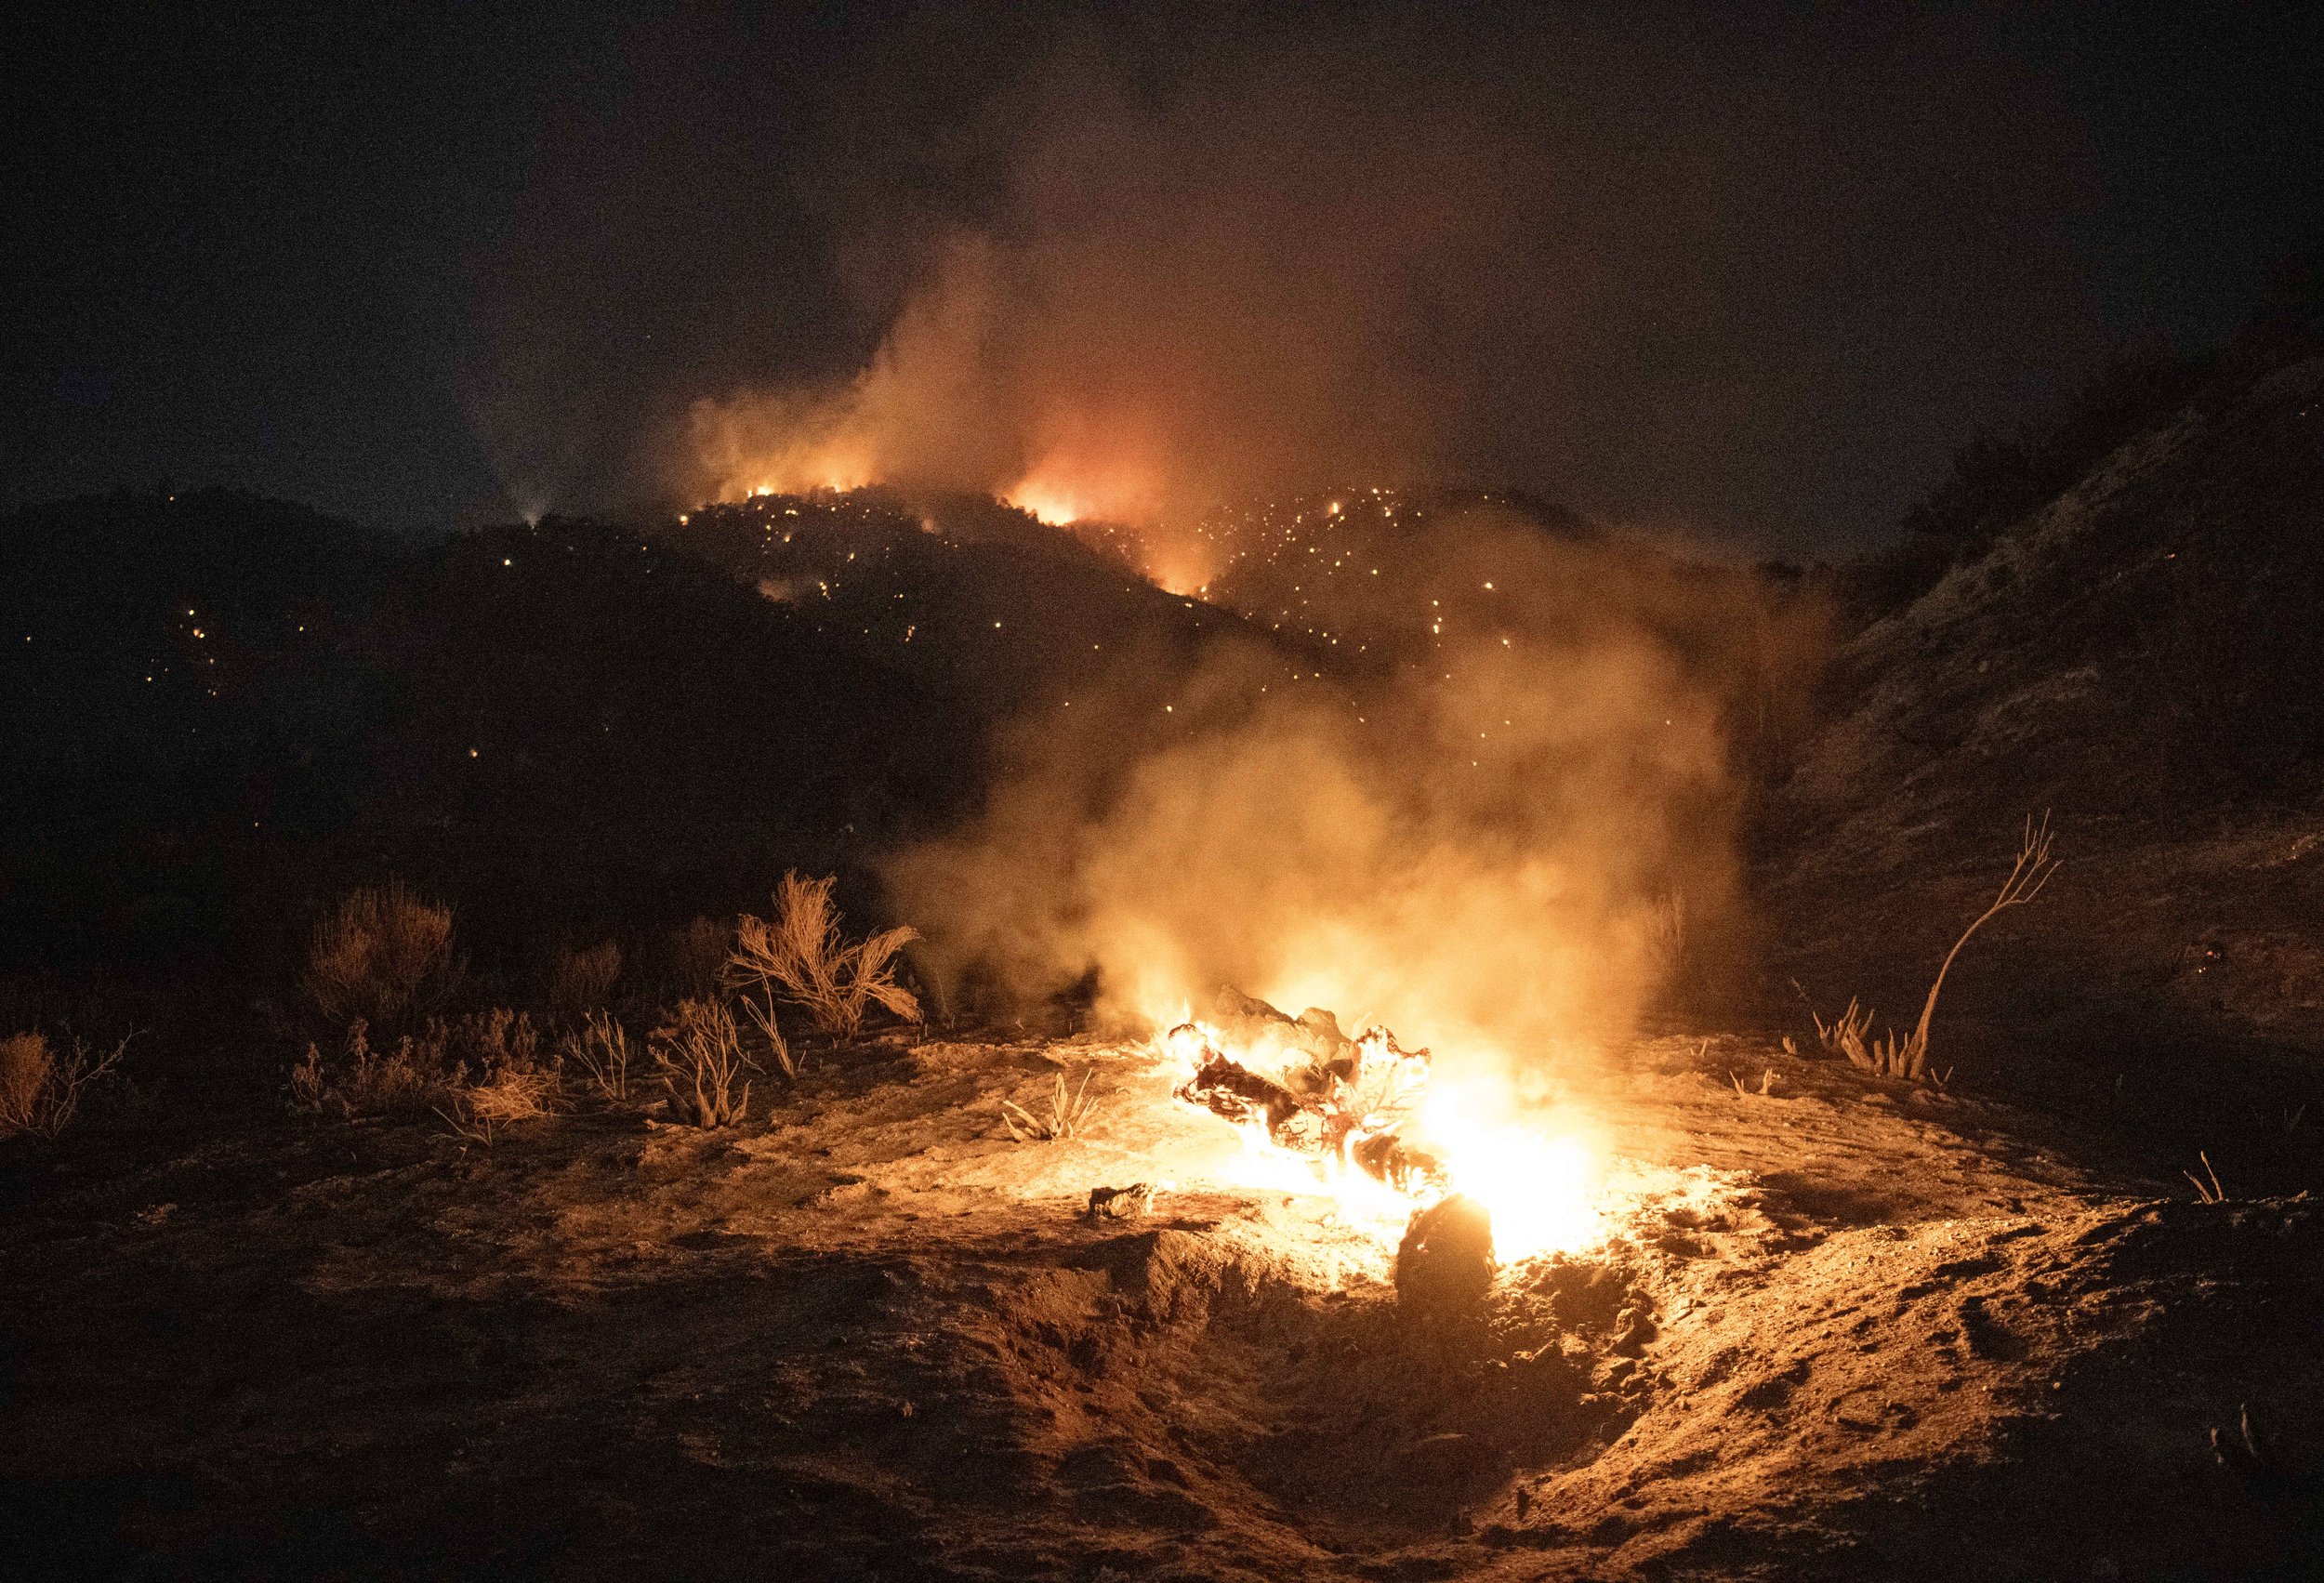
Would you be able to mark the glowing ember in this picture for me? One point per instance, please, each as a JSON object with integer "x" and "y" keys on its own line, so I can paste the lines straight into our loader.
{"x": 1362, "y": 1122}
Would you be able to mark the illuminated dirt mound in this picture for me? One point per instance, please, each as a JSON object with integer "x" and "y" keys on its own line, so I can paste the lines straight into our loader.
{"x": 1831, "y": 1330}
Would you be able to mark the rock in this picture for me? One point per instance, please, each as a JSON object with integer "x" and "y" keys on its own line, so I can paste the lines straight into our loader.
{"x": 1121, "y": 1203}
{"x": 1446, "y": 1260}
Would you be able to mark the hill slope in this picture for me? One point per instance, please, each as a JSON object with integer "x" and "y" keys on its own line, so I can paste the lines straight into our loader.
{"x": 2142, "y": 658}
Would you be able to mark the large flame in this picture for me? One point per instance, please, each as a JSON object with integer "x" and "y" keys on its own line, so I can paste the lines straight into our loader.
{"x": 1542, "y": 1184}
{"x": 1542, "y": 1187}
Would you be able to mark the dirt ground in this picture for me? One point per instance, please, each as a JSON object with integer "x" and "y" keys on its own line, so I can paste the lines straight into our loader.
{"x": 1840, "y": 1329}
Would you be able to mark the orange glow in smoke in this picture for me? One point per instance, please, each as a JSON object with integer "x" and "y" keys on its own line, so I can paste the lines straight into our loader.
{"x": 1105, "y": 474}
{"x": 1046, "y": 501}
{"x": 834, "y": 467}
{"x": 1096, "y": 470}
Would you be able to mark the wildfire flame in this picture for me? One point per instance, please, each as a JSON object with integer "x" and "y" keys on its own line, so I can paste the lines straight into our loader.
{"x": 1395, "y": 1141}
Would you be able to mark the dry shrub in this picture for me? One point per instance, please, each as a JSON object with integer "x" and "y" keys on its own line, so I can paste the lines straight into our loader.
{"x": 492, "y": 1041}
{"x": 601, "y": 1049}
{"x": 700, "y": 1056}
{"x": 514, "y": 1083}
{"x": 581, "y": 980}
{"x": 802, "y": 953}
{"x": 1070, "y": 1111}
{"x": 495, "y": 1053}
{"x": 479, "y": 1111}
{"x": 698, "y": 953}
{"x": 361, "y": 1081}
{"x": 381, "y": 956}
{"x": 27, "y": 1067}
{"x": 40, "y": 1091}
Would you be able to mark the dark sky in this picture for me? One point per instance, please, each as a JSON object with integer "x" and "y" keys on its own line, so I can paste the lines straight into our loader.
{"x": 1736, "y": 271}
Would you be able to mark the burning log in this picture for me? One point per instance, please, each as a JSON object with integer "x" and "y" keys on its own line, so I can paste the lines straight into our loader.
{"x": 1386, "y": 1158}
{"x": 1338, "y": 1098}
{"x": 1324, "y": 1114}
{"x": 1311, "y": 1040}
{"x": 1232, "y": 1091}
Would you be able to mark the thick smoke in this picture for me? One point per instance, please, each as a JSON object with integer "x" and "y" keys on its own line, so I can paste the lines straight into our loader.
{"x": 1498, "y": 813}
{"x": 1182, "y": 295}
{"x": 1499, "y": 833}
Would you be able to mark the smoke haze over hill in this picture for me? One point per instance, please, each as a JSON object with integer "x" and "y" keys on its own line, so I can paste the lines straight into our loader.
{"x": 1253, "y": 282}
{"x": 1499, "y": 826}
{"x": 1720, "y": 268}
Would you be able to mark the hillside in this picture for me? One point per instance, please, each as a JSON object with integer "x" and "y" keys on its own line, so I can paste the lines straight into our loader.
{"x": 2141, "y": 658}
{"x": 223, "y": 710}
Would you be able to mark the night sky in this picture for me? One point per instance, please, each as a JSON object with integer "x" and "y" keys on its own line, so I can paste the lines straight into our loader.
{"x": 1733, "y": 272}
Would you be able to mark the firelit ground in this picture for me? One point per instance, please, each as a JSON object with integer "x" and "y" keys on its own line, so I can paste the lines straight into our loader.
{"x": 1842, "y": 1329}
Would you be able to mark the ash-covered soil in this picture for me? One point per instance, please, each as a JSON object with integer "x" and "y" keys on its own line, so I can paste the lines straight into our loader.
{"x": 1840, "y": 1329}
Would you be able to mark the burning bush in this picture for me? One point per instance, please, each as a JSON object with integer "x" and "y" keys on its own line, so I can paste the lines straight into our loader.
{"x": 381, "y": 956}
{"x": 1365, "y": 1122}
{"x": 801, "y": 952}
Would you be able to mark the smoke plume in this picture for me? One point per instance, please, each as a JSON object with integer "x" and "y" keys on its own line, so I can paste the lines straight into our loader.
{"x": 1498, "y": 827}
{"x": 1232, "y": 286}
{"x": 1465, "y": 773}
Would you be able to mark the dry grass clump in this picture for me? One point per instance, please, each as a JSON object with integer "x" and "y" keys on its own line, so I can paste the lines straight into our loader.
{"x": 1070, "y": 1111}
{"x": 699, "y": 1054}
{"x": 601, "y": 1049}
{"x": 383, "y": 955}
{"x": 801, "y": 952}
{"x": 478, "y": 1111}
{"x": 513, "y": 1082}
{"x": 40, "y": 1090}
{"x": 479, "y": 1072}
{"x": 1908, "y": 1058}
{"x": 581, "y": 980}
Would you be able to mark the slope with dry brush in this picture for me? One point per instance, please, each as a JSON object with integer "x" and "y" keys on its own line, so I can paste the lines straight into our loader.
{"x": 1908, "y": 1058}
